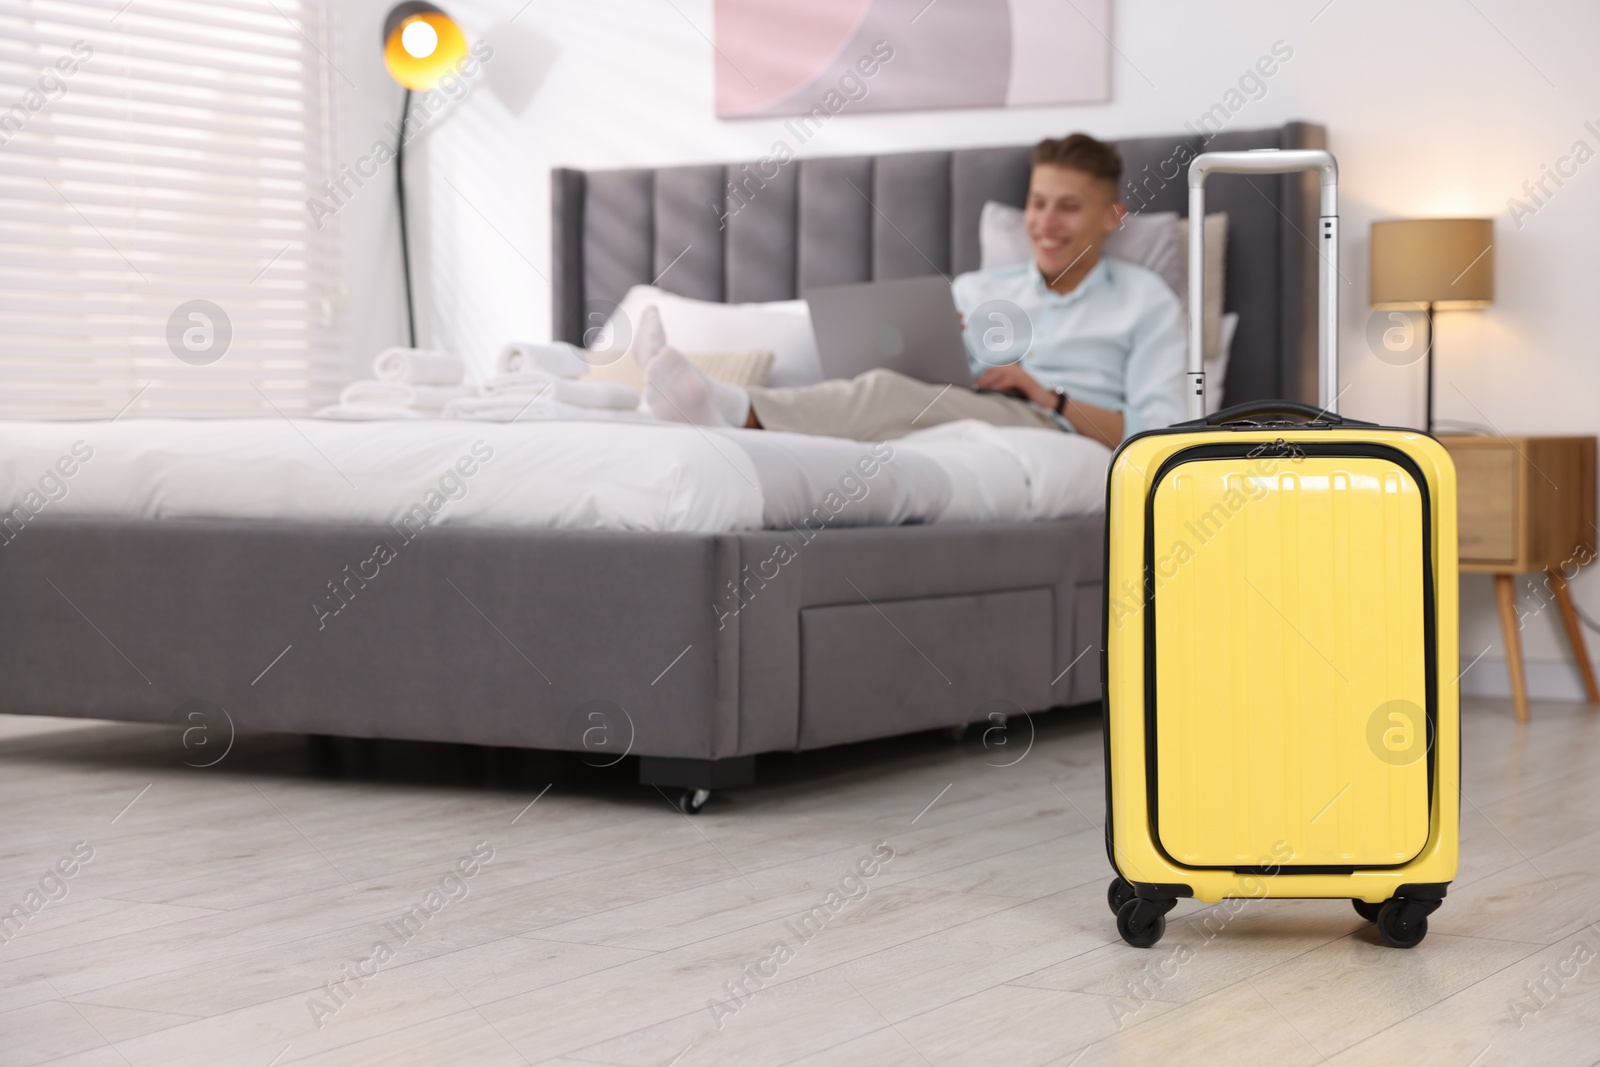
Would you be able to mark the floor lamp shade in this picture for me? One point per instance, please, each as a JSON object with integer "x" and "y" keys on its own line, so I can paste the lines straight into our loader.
{"x": 1448, "y": 263}
{"x": 421, "y": 44}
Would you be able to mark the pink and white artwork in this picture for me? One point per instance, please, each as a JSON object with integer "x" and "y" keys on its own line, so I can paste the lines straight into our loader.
{"x": 792, "y": 57}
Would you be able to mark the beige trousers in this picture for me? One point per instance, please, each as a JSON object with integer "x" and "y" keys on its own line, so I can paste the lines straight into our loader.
{"x": 881, "y": 405}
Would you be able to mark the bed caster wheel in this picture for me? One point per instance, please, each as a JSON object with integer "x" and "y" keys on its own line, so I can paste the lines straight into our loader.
{"x": 1404, "y": 923}
{"x": 690, "y": 801}
{"x": 1118, "y": 893}
{"x": 1367, "y": 911}
{"x": 1142, "y": 922}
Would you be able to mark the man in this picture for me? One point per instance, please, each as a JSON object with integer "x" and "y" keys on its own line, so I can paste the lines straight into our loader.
{"x": 1106, "y": 357}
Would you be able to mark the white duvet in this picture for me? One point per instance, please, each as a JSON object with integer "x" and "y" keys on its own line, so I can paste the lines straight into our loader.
{"x": 575, "y": 475}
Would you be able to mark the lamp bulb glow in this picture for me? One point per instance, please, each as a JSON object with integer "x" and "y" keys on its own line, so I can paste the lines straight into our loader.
{"x": 419, "y": 39}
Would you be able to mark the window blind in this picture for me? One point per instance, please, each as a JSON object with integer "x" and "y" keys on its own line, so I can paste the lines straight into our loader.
{"x": 156, "y": 157}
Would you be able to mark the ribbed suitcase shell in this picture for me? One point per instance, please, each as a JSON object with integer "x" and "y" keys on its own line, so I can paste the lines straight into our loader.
{"x": 1280, "y": 662}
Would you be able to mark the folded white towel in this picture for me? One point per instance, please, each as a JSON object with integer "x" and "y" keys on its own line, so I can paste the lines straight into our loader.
{"x": 365, "y": 413}
{"x": 559, "y": 360}
{"x": 418, "y": 366}
{"x": 498, "y": 408}
{"x": 531, "y": 408}
{"x": 609, "y": 395}
{"x": 428, "y": 399}
{"x": 530, "y": 382}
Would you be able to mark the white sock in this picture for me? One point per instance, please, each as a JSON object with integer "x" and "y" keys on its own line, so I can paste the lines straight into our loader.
{"x": 732, "y": 402}
{"x": 677, "y": 391}
{"x": 648, "y": 338}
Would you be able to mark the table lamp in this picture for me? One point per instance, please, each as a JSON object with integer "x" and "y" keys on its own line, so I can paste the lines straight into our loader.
{"x": 1440, "y": 264}
{"x": 421, "y": 44}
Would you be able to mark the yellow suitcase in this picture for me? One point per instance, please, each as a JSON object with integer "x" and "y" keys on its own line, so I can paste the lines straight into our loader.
{"x": 1280, "y": 645}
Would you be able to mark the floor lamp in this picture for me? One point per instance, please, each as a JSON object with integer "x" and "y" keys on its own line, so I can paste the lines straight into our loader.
{"x": 421, "y": 44}
{"x": 1439, "y": 264}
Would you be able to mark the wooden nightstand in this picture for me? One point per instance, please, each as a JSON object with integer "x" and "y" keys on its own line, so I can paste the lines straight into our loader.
{"x": 1527, "y": 504}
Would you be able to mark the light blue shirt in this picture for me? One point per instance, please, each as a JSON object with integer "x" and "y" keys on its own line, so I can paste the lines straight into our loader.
{"x": 1114, "y": 341}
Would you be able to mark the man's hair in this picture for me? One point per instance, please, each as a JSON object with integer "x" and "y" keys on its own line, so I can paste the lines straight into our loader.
{"x": 1080, "y": 152}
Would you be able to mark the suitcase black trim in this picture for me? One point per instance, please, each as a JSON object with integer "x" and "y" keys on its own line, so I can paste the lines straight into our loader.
{"x": 1194, "y": 453}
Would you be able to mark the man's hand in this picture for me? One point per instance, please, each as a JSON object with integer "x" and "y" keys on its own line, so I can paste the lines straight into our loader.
{"x": 1099, "y": 423}
{"x": 1012, "y": 376}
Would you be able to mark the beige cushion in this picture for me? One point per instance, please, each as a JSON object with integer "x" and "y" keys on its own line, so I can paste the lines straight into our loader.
{"x": 1216, "y": 250}
{"x": 735, "y": 368}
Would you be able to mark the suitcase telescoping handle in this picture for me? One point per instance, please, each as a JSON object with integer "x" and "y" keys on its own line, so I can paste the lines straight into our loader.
{"x": 1268, "y": 161}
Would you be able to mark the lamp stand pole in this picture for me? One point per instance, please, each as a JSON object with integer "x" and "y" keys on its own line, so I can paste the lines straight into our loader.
{"x": 405, "y": 245}
{"x": 1429, "y": 423}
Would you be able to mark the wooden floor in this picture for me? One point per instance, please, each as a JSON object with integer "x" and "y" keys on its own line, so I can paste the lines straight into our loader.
{"x": 214, "y": 919}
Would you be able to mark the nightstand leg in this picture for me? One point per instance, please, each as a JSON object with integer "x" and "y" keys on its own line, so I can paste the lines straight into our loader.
{"x": 1506, "y": 593}
{"x": 1569, "y": 618}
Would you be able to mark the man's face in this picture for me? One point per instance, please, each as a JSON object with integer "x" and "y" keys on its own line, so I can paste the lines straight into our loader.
{"x": 1070, "y": 212}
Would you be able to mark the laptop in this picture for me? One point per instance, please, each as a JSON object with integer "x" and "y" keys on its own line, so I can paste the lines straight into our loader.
{"x": 908, "y": 325}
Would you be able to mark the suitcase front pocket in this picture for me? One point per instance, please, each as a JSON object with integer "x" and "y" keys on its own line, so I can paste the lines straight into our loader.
{"x": 1290, "y": 672}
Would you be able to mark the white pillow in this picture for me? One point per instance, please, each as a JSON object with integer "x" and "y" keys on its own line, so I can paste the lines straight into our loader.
{"x": 1002, "y": 237}
{"x": 1151, "y": 241}
{"x": 782, "y": 327}
{"x": 1216, "y": 276}
{"x": 1217, "y": 365}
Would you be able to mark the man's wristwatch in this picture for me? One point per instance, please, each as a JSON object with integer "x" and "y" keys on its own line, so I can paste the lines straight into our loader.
{"x": 1061, "y": 401}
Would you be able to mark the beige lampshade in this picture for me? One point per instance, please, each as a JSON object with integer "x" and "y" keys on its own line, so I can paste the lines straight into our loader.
{"x": 1448, "y": 263}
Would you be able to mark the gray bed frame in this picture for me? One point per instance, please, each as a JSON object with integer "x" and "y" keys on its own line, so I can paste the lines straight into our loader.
{"x": 692, "y": 652}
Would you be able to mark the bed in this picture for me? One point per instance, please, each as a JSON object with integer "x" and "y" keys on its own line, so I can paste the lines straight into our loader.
{"x": 694, "y": 650}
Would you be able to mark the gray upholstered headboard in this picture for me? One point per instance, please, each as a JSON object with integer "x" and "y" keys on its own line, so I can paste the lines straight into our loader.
{"x": 835, "y": 220}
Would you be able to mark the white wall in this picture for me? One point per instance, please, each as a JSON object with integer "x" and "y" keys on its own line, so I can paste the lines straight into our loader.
{"x": 1433, "y": 107}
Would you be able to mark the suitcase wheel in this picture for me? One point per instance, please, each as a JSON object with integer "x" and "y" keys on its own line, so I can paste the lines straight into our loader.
{"x": 1367, "y": 911}
{"x": 1403, "y": 922}
{"x": 1142, "y": 922}
{"x": 1118, "y": 893}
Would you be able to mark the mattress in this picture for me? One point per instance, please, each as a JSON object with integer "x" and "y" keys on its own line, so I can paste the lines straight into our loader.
{"x": 547, "y": 474}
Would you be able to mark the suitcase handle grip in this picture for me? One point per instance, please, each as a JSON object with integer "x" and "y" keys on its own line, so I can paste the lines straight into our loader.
{"x": 1251, "y": 409}
{"x": 1268, "y": 161}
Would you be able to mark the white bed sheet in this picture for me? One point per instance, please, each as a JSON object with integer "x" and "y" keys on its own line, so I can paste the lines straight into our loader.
{"x": 563, "y": 474}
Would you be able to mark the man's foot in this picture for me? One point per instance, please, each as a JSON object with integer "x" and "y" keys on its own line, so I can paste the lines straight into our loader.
{"x": 676, "y": 390}
{"x": 648, "y": 338}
